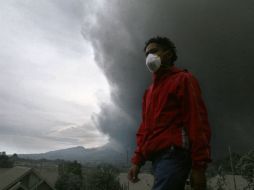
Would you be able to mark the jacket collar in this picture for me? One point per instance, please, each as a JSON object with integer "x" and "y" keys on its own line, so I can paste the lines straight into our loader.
{"x": 165, "y": 71}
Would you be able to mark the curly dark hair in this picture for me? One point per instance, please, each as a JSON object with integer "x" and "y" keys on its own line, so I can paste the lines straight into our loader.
{"x": 165, "y": 43}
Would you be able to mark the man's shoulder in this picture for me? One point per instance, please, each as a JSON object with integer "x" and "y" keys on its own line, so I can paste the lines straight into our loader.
{"x": 184, "y": 77}
{"x": 183, "y": 74}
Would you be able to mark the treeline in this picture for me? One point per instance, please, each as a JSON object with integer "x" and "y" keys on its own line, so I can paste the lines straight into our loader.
{"x": 7, "y": 161}
{"x": 102, "y": 177}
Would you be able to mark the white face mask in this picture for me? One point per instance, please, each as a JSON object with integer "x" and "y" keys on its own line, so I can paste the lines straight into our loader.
{"x": 153, "y": 62}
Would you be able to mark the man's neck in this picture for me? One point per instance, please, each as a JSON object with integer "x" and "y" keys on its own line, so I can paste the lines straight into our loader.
{"x": 166, "y": 66}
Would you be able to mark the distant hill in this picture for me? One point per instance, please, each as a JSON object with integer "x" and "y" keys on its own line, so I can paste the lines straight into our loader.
{"x": 79, "y": 153}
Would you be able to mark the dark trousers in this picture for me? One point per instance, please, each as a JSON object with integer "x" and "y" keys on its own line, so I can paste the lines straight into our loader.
{"x": 171, "y": 168}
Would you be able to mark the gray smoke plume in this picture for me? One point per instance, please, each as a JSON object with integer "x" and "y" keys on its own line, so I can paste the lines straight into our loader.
{"x": 214, "y": 41}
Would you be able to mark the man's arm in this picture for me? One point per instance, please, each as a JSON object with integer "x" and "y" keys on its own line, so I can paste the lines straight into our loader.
{"x": 196, "y": 122}
{"x": 137, "y": 159}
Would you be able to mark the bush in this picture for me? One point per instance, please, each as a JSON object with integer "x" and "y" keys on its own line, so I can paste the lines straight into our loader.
{"x": 104, "y": 177}
{"x": 246, "y": 168}
{"x": 70, "y": 176}
{"x": 5, "y": 161}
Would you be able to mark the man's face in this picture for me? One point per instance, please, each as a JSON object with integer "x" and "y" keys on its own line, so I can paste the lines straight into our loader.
{"x": 154, "y": 48}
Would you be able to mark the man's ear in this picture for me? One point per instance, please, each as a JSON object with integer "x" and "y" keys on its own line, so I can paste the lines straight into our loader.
{"x": 168, "y": 55}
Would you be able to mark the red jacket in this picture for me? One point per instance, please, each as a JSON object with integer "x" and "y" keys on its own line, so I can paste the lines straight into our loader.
{"x": 173, "y": 113}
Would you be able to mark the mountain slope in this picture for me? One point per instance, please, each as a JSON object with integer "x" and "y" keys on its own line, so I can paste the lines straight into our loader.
{"x": 79, "y": 153}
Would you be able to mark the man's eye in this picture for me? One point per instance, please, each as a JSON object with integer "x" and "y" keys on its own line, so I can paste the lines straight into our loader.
{"x": 151, "y": 51}
{"x": 154, "y": 51}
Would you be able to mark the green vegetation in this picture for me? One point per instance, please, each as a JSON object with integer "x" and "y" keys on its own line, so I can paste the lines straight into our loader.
{"x": 70, "y": 176}
{"x": 218, "y": 167}
{"x": 6, "y": 161}
{"x": 103, "y": 177}
{"x": 245, "y": 166}
{"x": 94, "y": 176}
{"x": 242, "y": 165}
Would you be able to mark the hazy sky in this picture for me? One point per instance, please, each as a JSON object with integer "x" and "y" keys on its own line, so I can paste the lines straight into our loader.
{"x": 73, "y": 72}
{"x": 50, "y": 85}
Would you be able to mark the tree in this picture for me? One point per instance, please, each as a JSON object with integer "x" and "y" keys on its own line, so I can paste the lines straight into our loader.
{"x": 70, "y": 176}
{"x": 5, "y": 161}
{"x": 70, "y": 167}
{"x": 221, "y": 182}
{"x": 104, "y": 177}
{"x": 69, "y": 181}
{"x": 246, "y": 168}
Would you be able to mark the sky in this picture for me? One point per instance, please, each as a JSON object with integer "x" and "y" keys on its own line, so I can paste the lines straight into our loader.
{"x": 73, "y": 72}
{"x": 50, "y": 85}
{"x": 214, "y": 40}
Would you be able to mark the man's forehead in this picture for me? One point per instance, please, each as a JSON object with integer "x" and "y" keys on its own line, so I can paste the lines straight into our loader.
{"x": 151, "y": 46}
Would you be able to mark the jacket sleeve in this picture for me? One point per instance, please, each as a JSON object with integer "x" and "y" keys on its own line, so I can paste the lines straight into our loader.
{"x": 137, "y": 158}
{"x": 195, "y": 119}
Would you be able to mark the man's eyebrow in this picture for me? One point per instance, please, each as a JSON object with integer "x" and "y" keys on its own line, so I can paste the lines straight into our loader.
{"x": 152, "y": 50}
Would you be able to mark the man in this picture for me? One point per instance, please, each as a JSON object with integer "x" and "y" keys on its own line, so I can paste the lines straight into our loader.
{"x": 174, "y": 133}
